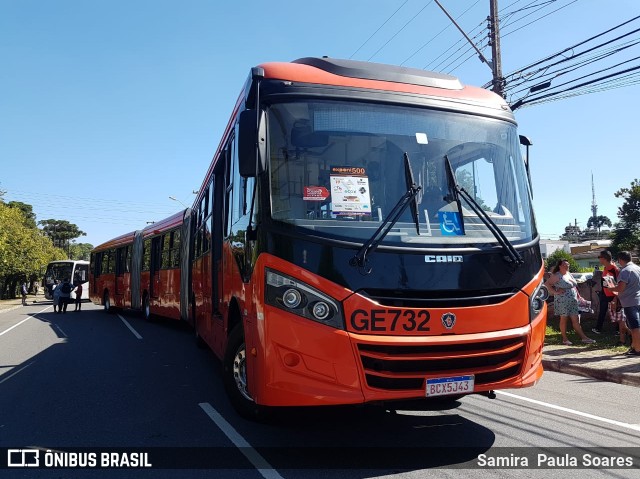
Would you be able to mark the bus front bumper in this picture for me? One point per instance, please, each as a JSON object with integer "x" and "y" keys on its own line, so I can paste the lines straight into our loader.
{"x": 307, "y": 364}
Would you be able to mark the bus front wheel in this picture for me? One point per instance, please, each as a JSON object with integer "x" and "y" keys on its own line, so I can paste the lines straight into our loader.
{"x": 235, "y": 376}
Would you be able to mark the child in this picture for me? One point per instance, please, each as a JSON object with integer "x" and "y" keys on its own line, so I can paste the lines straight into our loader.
{"x": 617, "y": 316}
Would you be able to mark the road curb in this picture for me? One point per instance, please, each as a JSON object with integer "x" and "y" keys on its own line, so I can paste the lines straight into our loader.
{"x": 565, "y": 366}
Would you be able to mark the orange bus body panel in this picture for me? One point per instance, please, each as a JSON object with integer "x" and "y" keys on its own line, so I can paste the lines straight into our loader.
{"x": 304, "y": 363}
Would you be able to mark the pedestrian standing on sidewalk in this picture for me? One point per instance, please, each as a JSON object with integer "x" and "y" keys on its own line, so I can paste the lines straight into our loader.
{"x": 78, "y": 297}
{"x": 55, "y": 292}
{"x": 23, "y": 293}
{"x": 628, "y": 291}
{"x": 605, "y": 295}
{"x": 564, "y": 289}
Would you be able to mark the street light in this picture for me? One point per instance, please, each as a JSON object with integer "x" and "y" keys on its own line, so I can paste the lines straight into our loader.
{"x": 176, "y": 199}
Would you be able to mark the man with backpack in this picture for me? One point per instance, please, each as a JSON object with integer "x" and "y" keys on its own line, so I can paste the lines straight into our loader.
{"x": 65, "y": 295}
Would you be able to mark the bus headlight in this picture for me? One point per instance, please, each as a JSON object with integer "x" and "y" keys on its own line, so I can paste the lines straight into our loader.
{"x": 293, "y": 296}
{"x": 321, "y": 311}
{"x": 537, "y": 300}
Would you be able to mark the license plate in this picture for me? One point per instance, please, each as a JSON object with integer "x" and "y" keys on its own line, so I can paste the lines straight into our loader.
{"x": 447, "y": 386}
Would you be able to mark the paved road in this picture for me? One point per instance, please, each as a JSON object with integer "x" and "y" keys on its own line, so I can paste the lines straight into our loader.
{"x": 92, "y": 379}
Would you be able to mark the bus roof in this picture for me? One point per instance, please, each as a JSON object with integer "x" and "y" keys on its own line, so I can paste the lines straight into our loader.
{"x": 79, "y": 261}
{"x": 377, "y": 76}
{"x": 164, "y": 225}
{"x": 115, "y": 242}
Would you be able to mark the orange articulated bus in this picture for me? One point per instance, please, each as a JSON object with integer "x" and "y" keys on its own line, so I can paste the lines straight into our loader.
{"x": 365, "y": 233}
{"x": 142, "y": 270}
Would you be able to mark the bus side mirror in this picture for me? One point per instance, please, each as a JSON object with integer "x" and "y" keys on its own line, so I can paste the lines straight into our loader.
{"x": 251, "y": 138}
{"x": 526, "y": 142}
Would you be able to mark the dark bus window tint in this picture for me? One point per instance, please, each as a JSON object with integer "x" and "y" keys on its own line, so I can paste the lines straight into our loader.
{"x": 146, "y": 255}
{"x": 127, "y": 261}
{"x": 166, "y": 251}
{"x": 175, "y": 249}
{"x": 81, "y": 274}
{"x": 112, "y": 261}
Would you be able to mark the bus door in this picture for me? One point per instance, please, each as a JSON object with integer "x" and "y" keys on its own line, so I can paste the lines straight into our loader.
{"x": 156, "y": 255}
{"x": 219, "y": 186}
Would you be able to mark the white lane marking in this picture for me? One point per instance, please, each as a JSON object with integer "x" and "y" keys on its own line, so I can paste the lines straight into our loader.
{"x": 31, "y": 315}
{"x": 16, "y": 372}
{"x": 262, "y": 466}
{"x": 635, "y": 427}
{"x": 60, "y": 329}
{"x": 15, "y": 326}
{"x": 126, "y": 323}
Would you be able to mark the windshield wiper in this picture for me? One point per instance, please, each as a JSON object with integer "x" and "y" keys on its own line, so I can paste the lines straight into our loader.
{"x": 409, "y": 198}
{"x": 512, "y": 255}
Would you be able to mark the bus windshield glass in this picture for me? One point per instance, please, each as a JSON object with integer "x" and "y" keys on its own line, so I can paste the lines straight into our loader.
{"x": 336, "y": 170}
{"x": 58, "y": 271}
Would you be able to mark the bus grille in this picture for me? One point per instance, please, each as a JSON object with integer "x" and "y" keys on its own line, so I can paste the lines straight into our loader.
{"x": 407, "y": 367}
{"x": 438, "y": 299}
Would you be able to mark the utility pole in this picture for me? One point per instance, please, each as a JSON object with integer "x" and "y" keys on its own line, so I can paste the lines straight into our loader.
{"x": 494, "y": 41}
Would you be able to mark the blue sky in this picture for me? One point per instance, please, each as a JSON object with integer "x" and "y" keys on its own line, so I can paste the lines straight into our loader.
{"x": 107, "y": 108}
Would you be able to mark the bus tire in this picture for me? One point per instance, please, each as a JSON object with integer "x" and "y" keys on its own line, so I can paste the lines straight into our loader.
{"x": 235, "y": 376}
{"x": 106, "y": 303}
{"x": 200, "y": 343}
{"x": 146, "y": 308}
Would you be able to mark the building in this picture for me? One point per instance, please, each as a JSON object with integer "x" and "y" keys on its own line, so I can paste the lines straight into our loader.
{"x": 548, "y": 247}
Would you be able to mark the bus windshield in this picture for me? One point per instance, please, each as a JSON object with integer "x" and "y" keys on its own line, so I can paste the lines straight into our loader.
{"x": 58, "y": 271}
{"x": 336, "y": 169}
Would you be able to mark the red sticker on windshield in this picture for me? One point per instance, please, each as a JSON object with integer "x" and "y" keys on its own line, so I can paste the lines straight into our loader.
{"x": 315, "y": 193}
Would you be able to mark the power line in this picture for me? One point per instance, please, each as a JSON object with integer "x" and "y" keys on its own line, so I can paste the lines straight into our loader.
{"x": 438, "y": 34}
{"x": 539, "y": 18}
{"x": 522, "y": 102}
{"x": 541, "y": 74}
{"x": 401, "y": 29}
{"x": 467, "y": 48}
{"x": 550, "y": 57}
{"x": 378, "y": 29}
{"x": 526, "y": 7}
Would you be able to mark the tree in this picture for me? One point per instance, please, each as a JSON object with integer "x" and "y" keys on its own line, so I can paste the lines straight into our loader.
{"x": 27, "y": 212}
{"x": 80, "y": 251}
{"x": 558, "y": 255}
{"x": 24, "y": 251}
{"x": 61, "y": 232}
{"x": 465, "y": 180}
{"x": 626, "y": 235}
{"x": 597, "y": 222}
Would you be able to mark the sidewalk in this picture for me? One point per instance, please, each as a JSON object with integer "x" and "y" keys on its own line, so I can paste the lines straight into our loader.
{"x": 11, "y": 304}
{"x": 602, "y": 364}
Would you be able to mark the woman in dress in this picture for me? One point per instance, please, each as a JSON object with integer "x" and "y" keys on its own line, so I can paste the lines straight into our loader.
{"x": 565, "y": 300}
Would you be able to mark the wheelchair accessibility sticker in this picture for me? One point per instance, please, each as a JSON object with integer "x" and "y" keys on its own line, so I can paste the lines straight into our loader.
{"x": 450, "y": 224}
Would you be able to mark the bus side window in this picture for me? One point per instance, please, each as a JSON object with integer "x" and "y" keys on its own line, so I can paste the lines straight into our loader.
{"x": 81, "y": 274}
{"x": 175, "y": 249}
{"x": 112, "y": 261}
{"x": 228, "y": 206}
{"x": 146, "y": 255}
{"x": 166, "y": 251}
{"x": 95, "y": 263}
{"x": 127, "y": 264}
